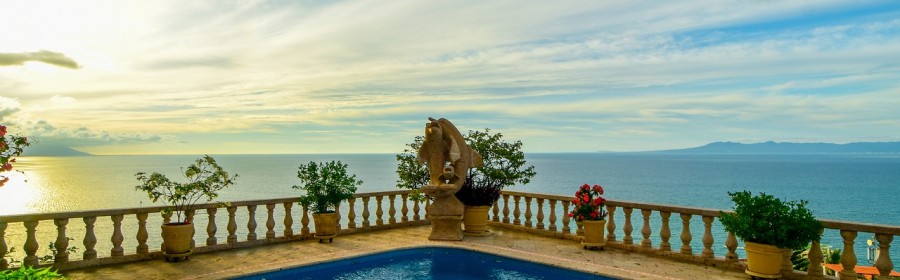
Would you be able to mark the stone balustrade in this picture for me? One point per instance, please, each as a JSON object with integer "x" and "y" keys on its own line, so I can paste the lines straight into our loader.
{"x": 541, "y": 214}
{"x": 621, "y": 235}
{"x": 137, "y": 218}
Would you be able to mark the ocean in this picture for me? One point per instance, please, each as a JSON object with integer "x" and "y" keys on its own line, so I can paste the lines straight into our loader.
{"x": 859, "y": 188}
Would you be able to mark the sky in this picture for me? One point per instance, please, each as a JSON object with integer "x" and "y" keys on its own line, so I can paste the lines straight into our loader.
{"x": 259, "y": 77}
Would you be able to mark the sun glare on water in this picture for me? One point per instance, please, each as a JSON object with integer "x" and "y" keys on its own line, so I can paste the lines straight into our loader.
{"x": 16, "y": 195}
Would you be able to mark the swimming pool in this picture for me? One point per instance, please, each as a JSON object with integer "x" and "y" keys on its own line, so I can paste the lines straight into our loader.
{"x": 434, "y": 263}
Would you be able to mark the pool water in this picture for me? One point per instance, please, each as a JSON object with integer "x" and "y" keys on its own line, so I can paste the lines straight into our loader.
{"x": 435, "y": 263}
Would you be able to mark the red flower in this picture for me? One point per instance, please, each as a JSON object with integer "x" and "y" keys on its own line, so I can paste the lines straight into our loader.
{"x": 572, "y": 214}
{"x": 598, "y": 201}
{"x": 594, "y": 215}
{"x": 580, "y": 217}
{"x": 586, "y": 198}
{"x": 2, "y": 130}
{"x": 598, "y": 189}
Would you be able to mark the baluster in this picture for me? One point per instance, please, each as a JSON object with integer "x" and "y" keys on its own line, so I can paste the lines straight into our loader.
{"x": 611, "y": 224}
{"x": 288, "y": 219}
{"x": 686, "y": 234}
{"x": 427, "y": 207}
{"x": 552, "y": 221}
{"x": 540, "y": 213}
{"x": 142, "y": 234}
{"x": 731, "y": 244}
{"x": 708, "y": 238}
{"x": 232, "y": 225}
{"x": 270, "y": 221}
{"x": 848, "y": 257}
{"x": 117, "y": 236}
{"x": 190, "y": 217}
{"x": 627, "y": 229}
{"x": 786, "y": 266}
{"x": 351, "y": 216}
{"x": 365, "y": 222}
{"x": 645, "y": 229}
{"x": 664, "y": 232}
{"x": 337, "y": 212}
{"x": 304, "y": 221}
{"x": 495, "y": 208}
{"x": 167, "y": 218}
{"x": 528, "y": 211}
{"x": 90, "y": 240}
{"x": 31, "y": 244}
{"x": 566, "y": 218}
{"x": 516, "y": 213}
{"x": 580, "y": 230}
{"x": 505, "y": 208}
{"x": 62, "y": 242}
{"x": 815, "y": 260}
{"x": 404, "y": 211}
{"x": 378, "y": 212}
{"x": 391, "y": 211}
{"x": 251, "y": 222}
{"x": 416, "y": 216}
{"x": 211, "y": 227}
{"x": 883, "y": 263}
{"x": 3, "y": 247}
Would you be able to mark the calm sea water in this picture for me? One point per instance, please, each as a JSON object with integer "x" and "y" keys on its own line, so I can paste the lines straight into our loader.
{"x": 860, "y": 188}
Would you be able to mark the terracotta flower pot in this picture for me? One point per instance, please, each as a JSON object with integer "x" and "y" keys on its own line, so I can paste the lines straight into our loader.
{"x": 326, "y": 225}
{"x": 475, "y": 220}
{"x": 177, "y": 238}
{"x": 593, "y": 234}
{"x": 763, "y": 260}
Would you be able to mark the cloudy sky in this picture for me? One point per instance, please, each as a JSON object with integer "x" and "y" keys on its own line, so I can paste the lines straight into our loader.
{"x": 191, "y": 77}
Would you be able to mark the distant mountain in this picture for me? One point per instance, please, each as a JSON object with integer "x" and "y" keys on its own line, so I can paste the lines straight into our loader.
{"x": 791, "y": 148}
{"x": 52, "y": 150}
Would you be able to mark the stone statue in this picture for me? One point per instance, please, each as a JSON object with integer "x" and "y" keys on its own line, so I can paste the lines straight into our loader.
{"x": 444, "y": 144}
{"x": 448, "y": 158}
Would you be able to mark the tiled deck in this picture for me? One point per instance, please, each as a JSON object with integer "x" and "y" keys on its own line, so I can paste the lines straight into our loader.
{"x": 511, "y": 243}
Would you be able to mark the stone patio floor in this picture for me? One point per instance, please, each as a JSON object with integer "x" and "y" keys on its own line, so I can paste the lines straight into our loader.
{"x": 510, "y": 243}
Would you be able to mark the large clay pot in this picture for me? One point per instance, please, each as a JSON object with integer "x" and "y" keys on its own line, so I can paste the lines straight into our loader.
{"x": 326, "y": 225}
{"x": 593, "y": 234}
{"x": 177, "y": 238}
{"x": 763, "y": 260}
{"x": 475, "y": 220}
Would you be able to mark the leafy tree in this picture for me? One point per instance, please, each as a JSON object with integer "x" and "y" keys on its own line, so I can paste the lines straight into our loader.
{"x": 504, "y": 165}
{"x": 205, "y": 179}
{"x": 11, "y": 146}
{"x": 326, "y": 185}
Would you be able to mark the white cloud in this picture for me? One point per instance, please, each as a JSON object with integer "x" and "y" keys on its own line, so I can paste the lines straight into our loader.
{"x": 632, "y": 68}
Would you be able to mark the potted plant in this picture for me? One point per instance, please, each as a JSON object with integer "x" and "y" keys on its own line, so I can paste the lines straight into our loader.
{"x": 326, "y": 185}
{"x": 504, "y": 165}
{"x": 588, "y": 210}
{"x": 769, "y": 226}
{"x": 205, "y": 178}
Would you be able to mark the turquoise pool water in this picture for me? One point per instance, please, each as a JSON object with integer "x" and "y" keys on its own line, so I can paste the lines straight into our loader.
{"x": 435, "y": 263}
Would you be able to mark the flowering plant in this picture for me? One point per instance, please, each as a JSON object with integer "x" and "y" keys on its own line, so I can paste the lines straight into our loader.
{"x": 588, "y": 204}
{"x": 11, "y": 146}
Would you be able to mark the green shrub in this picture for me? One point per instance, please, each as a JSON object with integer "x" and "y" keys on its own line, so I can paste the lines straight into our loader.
{"x": 326, "y": 185}
{"x": 768, "y": 220}
{"x": 30, "y": 273}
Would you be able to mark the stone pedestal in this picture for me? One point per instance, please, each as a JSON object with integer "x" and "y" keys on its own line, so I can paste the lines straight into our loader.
{"x": 445, "y": 213}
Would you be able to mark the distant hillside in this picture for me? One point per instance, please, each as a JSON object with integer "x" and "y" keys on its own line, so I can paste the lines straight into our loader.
{"x": 791, "y": 148}
{"x": 52, "y": 150}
